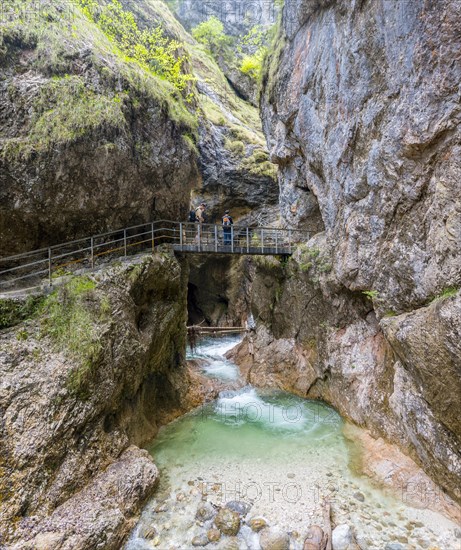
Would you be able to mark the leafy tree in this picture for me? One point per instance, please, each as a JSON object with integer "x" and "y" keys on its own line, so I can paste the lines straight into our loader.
{"x": 211, "y": 33}
{"x": 253, "y": 51}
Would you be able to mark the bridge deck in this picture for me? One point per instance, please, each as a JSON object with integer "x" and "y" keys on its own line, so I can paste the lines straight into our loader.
{"x": 39, "y": 266}
{"x": 221, "y": 249}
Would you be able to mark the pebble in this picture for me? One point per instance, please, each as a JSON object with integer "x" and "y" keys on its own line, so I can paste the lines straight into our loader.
{"x": 273, "y": 539}
{"x": 359, "y": 496}
{"x": 227, "y": 521}
{"x": 238, "y": 506}
{"x": 205, "y": 511}
{"x": 148, "y": 532}
{"x": 257, "y": 524}
{"x": 213, "y": 535}
{"x": 162, "y": 507}
{"x": 393, "y": 546}
{"x": 200, "y": 540}
{"x": 291, "y": 476}
{"x": 341, "y": 537}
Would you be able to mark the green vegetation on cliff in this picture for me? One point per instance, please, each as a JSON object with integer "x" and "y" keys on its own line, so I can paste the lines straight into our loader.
{"x": 93, "y": 66}
{"x": 68, "y": 318}
{"x": 150, "y": 48}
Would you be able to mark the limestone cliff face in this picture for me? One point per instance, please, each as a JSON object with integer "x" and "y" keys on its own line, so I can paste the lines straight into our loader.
{"x": 362, "y": 112}
{"x": 88, "y": 140}
{"x": 361, "y": 109}
{"x": 99, "y": 369}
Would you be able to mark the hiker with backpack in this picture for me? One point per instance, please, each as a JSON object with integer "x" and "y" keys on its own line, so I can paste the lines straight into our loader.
{"x": 227, "y": 223}
{"x": 198, "y": 216}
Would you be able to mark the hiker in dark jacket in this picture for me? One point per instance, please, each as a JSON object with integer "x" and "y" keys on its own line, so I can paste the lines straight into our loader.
{"x": 227, "y": 223}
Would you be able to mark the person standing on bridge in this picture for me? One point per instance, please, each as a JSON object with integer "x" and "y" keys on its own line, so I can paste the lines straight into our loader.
{"x": 227, "y": 223}
{"x": 200, "y": 218}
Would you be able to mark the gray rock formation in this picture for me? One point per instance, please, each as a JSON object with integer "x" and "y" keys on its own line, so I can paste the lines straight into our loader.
{"x": 100, "y": 514}
{"x": 369, "y": 128}
{"x": 366, "y": 135}
{"x": 88, "y": 142}
{"x": 238, "y": 16}
{"x": 99, "y": 369}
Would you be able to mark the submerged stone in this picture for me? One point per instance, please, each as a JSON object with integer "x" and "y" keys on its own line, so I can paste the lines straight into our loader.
{"x": 314, "y": 539}
{"x": 200, "y": 540}
{"x": 205, "y": 511}
{"x": 257, "y": 524}
{"x": 341, "y": 537}
{"x": 273, "y": 539}
{"x": 228, "y": 522}
{"x": 213, "y": 535}
{"x": 238, "y": 506}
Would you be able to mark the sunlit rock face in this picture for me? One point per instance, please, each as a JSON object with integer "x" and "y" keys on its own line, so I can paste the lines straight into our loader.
{"x": 360, "y": 107}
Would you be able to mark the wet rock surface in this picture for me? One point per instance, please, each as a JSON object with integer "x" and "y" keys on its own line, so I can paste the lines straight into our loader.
{"x": 376, "y": 296}
{"x": 228, "y": 521}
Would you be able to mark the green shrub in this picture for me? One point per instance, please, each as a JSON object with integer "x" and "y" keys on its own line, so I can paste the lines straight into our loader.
{"x": 211, "y": 34}
{"x": 371, "y": 294}
{"x": 13, "y": 312}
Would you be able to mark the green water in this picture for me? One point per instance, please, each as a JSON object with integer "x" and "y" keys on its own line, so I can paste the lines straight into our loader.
{"x": 251, "y": 425}
{"x": 284, "y": 457}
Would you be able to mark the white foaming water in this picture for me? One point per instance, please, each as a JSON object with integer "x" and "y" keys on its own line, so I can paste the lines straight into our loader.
{"x": 282, "y": 455}
{"x": 277, "y": 412}
{"x": 212, "y": 352}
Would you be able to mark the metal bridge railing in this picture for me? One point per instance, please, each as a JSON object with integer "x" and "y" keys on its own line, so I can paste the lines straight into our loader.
{"x": 43, "y": 265}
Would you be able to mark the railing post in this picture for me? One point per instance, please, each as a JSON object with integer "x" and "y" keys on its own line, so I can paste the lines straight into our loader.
{"x": 262, "y": 241}
{"x": 232, "y": 238}
{"x": 216, "y": 238}
{"x": 92, "y": 252}
{"x": 180, "y": 235}
{"x": 276, "y": 241}
{"x": 289, "y": 239}
{"x": 124, "y": 243}
{"x": 153, "y": 239}
{"x": 199, "y": 236}
{"x": 248, "y": 240}
{"x": 49, "y": 267}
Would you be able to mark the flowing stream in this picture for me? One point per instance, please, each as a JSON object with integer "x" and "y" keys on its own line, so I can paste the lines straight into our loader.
{"x": 281, "y": 456}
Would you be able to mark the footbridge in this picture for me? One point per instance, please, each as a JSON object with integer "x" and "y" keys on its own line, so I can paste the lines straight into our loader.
{"x": 43, "y": 265}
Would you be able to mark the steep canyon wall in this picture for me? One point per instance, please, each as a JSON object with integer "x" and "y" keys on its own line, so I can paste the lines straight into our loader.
{"x": 361, "y": 109}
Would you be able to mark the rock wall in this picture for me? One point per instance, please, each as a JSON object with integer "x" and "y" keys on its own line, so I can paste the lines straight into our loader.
{"x": 99, "y": 368}
{"x": 238, "y": 16}
{"x": 361, "y": 111}
{"x": 88, "y": 140}
{"x": 218, "y": 290}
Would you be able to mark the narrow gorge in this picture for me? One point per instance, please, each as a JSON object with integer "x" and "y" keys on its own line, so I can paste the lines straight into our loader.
{"x": 292, "y": 381}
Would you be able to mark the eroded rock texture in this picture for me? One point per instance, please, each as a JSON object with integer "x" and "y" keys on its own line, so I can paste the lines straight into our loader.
{"x": 89, "y": 142}
{"x": 73, "y": 398}
{"x": 361, "y": 108}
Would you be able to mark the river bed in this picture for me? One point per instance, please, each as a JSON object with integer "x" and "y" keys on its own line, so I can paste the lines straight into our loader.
{"x": 284, "y": 457}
